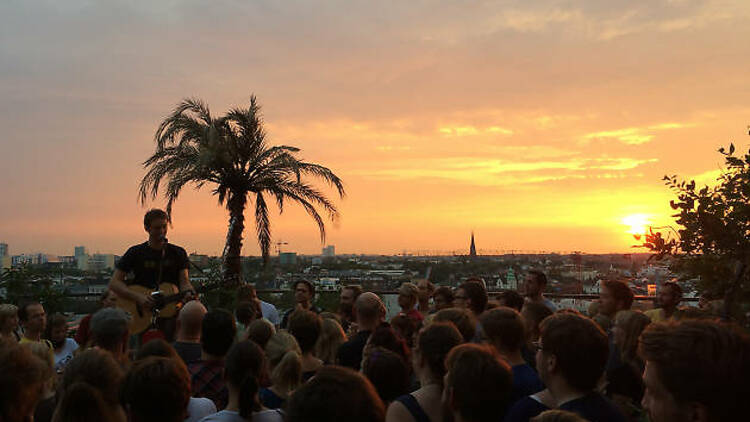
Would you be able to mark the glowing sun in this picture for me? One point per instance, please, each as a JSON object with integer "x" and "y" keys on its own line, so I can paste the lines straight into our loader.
{"x": 637, "y": 223}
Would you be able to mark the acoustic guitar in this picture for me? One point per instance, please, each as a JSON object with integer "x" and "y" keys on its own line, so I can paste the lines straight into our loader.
{"x": 166, "y": 301}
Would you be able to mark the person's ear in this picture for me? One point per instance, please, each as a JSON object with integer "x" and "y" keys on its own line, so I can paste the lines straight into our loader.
{"x": 551, "y": 362}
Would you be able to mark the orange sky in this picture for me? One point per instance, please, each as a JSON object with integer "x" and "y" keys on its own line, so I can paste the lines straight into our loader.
{"x": 538, "y": 125}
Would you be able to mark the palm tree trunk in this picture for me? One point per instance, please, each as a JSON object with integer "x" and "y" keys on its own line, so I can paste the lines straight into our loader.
{"x": 233, "y": 247}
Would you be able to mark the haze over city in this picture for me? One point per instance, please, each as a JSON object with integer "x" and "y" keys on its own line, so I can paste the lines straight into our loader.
{"x": 539, "y": 126}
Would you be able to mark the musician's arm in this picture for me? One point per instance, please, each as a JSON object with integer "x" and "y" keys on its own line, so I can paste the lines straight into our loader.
{"x": 184, "y": 280}
{"x": 117, "y": 285}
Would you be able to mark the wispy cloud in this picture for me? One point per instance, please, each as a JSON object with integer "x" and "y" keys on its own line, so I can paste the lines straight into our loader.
{"x": 472, "y": 130}
{"x": 484, "y": 172}
{"x": 634, "y": 135}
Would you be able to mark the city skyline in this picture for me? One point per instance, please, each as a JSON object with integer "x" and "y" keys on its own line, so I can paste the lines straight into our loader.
{"x": 537, "y": 125}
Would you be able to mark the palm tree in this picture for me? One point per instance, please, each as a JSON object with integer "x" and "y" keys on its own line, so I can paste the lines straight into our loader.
{"x": 230, "y": 153}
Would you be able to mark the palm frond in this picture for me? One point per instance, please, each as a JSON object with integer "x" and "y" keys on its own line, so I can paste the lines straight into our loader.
{"x": 262, "y": 225}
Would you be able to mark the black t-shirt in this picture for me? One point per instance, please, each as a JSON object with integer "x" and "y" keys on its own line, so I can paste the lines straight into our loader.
{"x": 189, "y": 352}
{"x": 595, "y": 408}
{"x": 143, "y": 261}
{"x": 350, "y": 353}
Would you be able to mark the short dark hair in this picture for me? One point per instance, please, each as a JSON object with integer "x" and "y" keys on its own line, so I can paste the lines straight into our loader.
{"x": 23, "y": 310}
{"x": 245, "y": 312}
{"x": 444, "y": 291}
{"x": 539, "y": 276}
{"x": 109, "y": 327}
{"x": 579, "y": 345}
{"x": 676, "y": 289}
{"x": 218, "y": 332}
{"x": 98, "y": 369}
{"x": 504, "y": 328}
{"x": 701, "y": 361}
{"x": 620, "y": 291}
{"x": 434, "y": 342}
{"x": 165, "y": 378}
{"x": 356, "y": 288}
{"x": 356, "y": 398}
{"x": 154, "y": 214}
{"x": 305, "y": 326}
{"x": 477, "y": 294}
{"x": 511, "y": 299}
{"x": 480, "y": 381}
{"x": 156, "y": 347}
{"x": 244, "y": 368}
{"x": 461, "y": 318}
{"x": 388, "y": 373}
{"x": 310, "y": 286}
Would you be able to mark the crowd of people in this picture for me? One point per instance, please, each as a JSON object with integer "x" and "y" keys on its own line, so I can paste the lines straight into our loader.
{"x": 449, "y": 355}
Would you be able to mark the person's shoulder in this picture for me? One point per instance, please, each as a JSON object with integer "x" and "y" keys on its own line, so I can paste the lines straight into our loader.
{"x": 269, "y": 415}
{"x": 137, "y": 248}
{"x": 654, "y": 314}
{"x": 69, "y": 342}
{"x": 524, "y": 409}
{"x": 594, "y": 407}
{"x": 223, "y": 416}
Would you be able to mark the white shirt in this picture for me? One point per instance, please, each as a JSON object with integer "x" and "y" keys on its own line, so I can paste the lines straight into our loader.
{"x": 65, "y": 354}
{"x": 198, "y": 408}
{"x": 270, "y": 313}
{"x": 232, "y": 416}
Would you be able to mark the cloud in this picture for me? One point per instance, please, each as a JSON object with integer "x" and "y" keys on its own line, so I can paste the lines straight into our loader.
{"x": 483, "y": 172}
{"x": 634, "y": 135}
{"x": 471, "y": 130}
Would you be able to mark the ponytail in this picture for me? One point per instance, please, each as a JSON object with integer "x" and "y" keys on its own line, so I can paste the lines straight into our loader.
{"x": 249, "y": 397}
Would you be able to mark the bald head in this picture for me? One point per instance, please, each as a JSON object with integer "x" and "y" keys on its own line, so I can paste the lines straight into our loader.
{"x": 190, "y": 320}
{"x": 370, "y": 309}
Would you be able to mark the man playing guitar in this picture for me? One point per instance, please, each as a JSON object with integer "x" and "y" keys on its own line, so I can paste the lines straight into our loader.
{"x": 152, "y": 263}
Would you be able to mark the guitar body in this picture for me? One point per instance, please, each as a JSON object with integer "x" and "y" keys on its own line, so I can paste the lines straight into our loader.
{"x": 140, "y": 319}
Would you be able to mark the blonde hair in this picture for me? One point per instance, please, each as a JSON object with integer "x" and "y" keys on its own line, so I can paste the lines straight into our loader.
{"x": 331, "y": 337}
{"x": 7, "y": 310}
{"x": 285, "y": 359}
{"x": 632, "y": 324}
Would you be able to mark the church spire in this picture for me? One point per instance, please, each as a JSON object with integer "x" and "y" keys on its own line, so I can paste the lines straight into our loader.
{"x": 472, "y": 248}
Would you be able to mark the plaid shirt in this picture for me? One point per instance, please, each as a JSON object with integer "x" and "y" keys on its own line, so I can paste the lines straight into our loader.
{"x": 208, "y": 381}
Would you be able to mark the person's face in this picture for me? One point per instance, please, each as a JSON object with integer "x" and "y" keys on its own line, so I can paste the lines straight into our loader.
{"x": 657, "y": 401}
{"x": 110, "y": 300}
{"x": 11, "y": 322}
{"x": 302, "y": 293}
{"x": 347, "y": 298}
{"x": 405, "y": 301}
{"x": 58, "y": 333}
{"x": 441, "y": 302}
{"x": 531, "y": 286}
{"x": 157, "y": 230}
{"x": 37, "y": 320}
{"x": 667, "y": 298}
{"x": 607, "y": 304}
{"x": 424, "y": 290}
{"x": 460, "y": 300}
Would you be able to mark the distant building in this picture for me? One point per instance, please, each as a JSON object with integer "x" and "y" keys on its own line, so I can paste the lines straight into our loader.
{"x": 5, "y": 262}
{"x": 80, "y": 251}
{"x": 329, "y": 251}
{"x": 288, "y": 258}
{"x": 472, "y": 248}
{"x": 3, "y": 249}
{"x": 100, "y": 262}
{"x": 201, "y": 261}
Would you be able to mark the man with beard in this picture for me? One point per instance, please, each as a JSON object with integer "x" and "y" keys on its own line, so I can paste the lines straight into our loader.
{"x": 349, "y": 295}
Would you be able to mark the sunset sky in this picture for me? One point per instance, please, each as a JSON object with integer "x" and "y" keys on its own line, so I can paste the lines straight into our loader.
{"x": 539, "y": 125}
